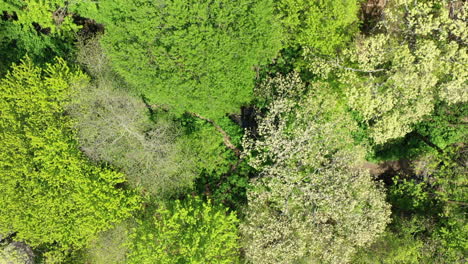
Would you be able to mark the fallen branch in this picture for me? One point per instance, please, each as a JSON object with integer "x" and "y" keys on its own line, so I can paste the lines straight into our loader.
{"x": 426, "y": 140}
{"x": 226, "y": 137}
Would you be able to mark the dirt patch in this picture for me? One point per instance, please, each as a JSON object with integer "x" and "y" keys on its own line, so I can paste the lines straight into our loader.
{"x": 385, "y": 171}
{"x": 90, "y": 27}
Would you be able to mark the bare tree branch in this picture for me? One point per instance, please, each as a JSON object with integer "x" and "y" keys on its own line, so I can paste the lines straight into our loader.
{"x": 226, "y": 138}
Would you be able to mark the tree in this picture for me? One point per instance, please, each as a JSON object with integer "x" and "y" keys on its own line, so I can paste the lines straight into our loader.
{"x": 309, "y": 203}
{"x": 189, "y": 231}
{"x": 109, "y": 246}
{"x": 41, "y": 29}
{"x": 449, "y": 183}
{"x": 416, "y": 60}
{"x": 51, "y": 194}
{"x": 428, "y": 213}
{"x": 323, "y": 26}
{"x": 115, "y": 127}
{"x": 400, "y": 244}
{"x": 187, "y": 55}
{"x": 118, "y": 128}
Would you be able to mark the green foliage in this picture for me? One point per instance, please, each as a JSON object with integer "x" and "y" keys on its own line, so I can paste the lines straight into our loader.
{"x": 409, "y": 147}
{"x": 109, "y": 246}
{"x": 195, "y": 56}
{"x": 410, "y": 196}
{"x": 205, "y": 145}
{"x": 154, "y": 112}
{"x": 51, "y": 195}
{"x": 429, "y": 214}
{"x": 446, "y": 125}
{"x": 320, "y": 25}
{"x": 222, "y": 177}
{"x": 117, "y": 128}
{"x": 41, "y": 29}
{"x": 226, "y": 187}
{"x": 309, "y": 204}
{"x": 191, "y": 231}
{"x": 451, "y": 191}
{"x": 415, "y": 239}
{"x": 319, "y": 217}
{"x": 395, "y": 78}
{"x": 396, "y": 247}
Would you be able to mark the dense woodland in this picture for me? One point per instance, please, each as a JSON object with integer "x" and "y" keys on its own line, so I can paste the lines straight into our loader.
{"x": 233, "y": 131}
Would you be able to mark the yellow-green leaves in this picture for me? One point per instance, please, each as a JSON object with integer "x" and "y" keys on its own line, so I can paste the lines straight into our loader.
{"x": 51, "y": 195}
{"x": 191, "y": 231}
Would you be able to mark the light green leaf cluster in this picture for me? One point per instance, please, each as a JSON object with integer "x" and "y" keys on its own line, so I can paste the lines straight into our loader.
{"x": 51, "y": 195}
{"x": 320, "y": 25}
{"x": 303, "y": 124}
{"x": 321, "y": 217}
{"x": 309, "y": 205}
{"x": 196, "y": 56}
{"x": 394, "y": 78}
{"x": 191, "y": 231}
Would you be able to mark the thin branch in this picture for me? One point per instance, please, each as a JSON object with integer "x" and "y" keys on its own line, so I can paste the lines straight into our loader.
{"x": 428, "y": 142}
{"x": 357, "y": 70}
{"x": 226, "y": 137}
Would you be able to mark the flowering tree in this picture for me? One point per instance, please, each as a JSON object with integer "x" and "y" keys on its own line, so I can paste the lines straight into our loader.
{"x": 309, "y": 203}
{"x": 417, "y": 59}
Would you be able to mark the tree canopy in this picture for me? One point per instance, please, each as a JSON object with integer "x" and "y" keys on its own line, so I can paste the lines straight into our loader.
{"x": 322, "y": 26}
{"x": 42, "y": 29}
{"x": 197, "y": 56}
{"x": 192, "y": 231}
{"x": 395, "y": 77}
{"x": 51, "y": 194}
{"x": 233, "y": 131}
{"x": 308, "y": 204}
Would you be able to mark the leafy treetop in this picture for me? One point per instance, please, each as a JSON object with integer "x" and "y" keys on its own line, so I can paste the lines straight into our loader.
{"x": 51, "y": 195}
{"x": 197, "y": 56}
